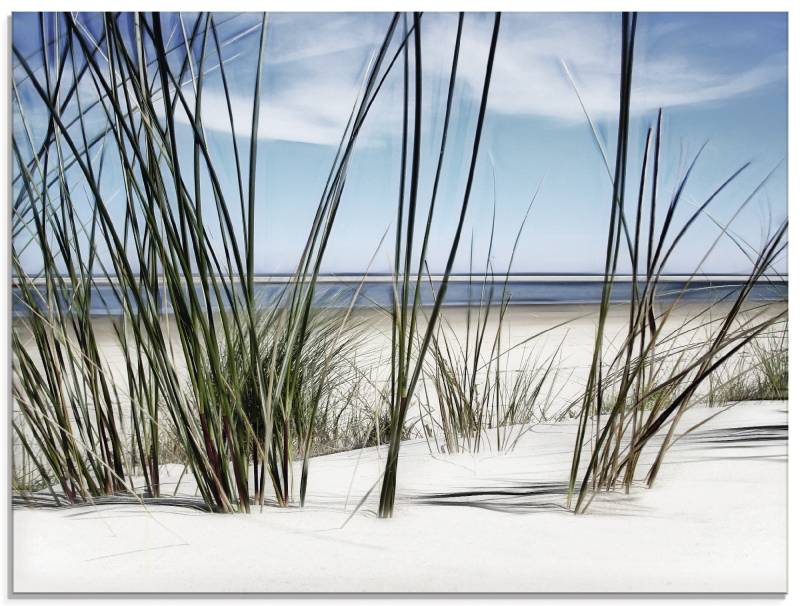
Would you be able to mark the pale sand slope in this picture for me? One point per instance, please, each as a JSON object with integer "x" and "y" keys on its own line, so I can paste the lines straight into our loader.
{"x": 715, "y": 521}
{"x": 564, "y": 331}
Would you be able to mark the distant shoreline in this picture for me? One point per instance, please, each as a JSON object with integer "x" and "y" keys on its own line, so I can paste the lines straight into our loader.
{"x": 349, "y": 278}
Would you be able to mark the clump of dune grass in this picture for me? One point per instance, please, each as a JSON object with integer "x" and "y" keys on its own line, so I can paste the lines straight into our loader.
{"x": 69, "y": 412}
{"x": 124, "y": 93}
{"x": 760, "y": 373}
{"x": 772, "y": 367}
{"x": 613, "y": 442}
{"x": 465, "y": 413}
{"x": 357, "y": 415}
{"x": 323, "y": 384}
{"x": 471, "y": 397}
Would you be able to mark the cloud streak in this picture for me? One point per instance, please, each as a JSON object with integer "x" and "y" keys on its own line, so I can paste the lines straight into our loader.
{"x": 315, "y": 63}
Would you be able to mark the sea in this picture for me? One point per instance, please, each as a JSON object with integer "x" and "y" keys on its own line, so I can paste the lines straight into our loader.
{"x": 376, "y": 291}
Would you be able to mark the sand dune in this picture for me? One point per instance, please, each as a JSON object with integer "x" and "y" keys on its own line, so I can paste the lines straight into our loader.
{"x": 715, "y": 521}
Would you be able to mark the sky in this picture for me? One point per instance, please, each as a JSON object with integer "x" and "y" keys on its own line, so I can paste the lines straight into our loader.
{"x": 721, "y": 79}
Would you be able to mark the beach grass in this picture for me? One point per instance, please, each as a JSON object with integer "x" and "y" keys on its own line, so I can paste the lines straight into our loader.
{"x": 645, "y": 401}
{"x": 159, "y": 250}
{"x": 244, "y": 392}
{"x": 408, "y": 360}
{"x": 478, "y": 398}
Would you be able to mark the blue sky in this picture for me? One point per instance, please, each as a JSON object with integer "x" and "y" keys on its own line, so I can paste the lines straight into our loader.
{"x": 721, "y": 79}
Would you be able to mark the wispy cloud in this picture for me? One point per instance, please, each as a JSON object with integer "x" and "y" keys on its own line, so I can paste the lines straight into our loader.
{"x": 315, "y": 64}
{"x": 530, "y": 79}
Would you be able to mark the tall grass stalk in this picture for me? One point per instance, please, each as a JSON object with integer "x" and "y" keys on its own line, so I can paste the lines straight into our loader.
{"x": 407, "y": 361}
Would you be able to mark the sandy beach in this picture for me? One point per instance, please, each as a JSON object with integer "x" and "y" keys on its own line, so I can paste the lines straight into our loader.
{"x": 530, "y": 333}
{"x": 715, "y": 521}
{"x": 470, "y": 522}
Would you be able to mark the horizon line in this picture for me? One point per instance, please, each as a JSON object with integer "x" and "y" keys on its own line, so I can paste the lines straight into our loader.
{"x": 379, "y": 277}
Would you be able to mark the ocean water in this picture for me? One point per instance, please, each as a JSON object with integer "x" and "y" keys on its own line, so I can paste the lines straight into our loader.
{"x": 105, "y": 302}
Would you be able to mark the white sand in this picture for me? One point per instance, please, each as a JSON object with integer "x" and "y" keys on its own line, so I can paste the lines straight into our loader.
{"x": 714, "y": 522}
{"x": 565, "y": 331}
